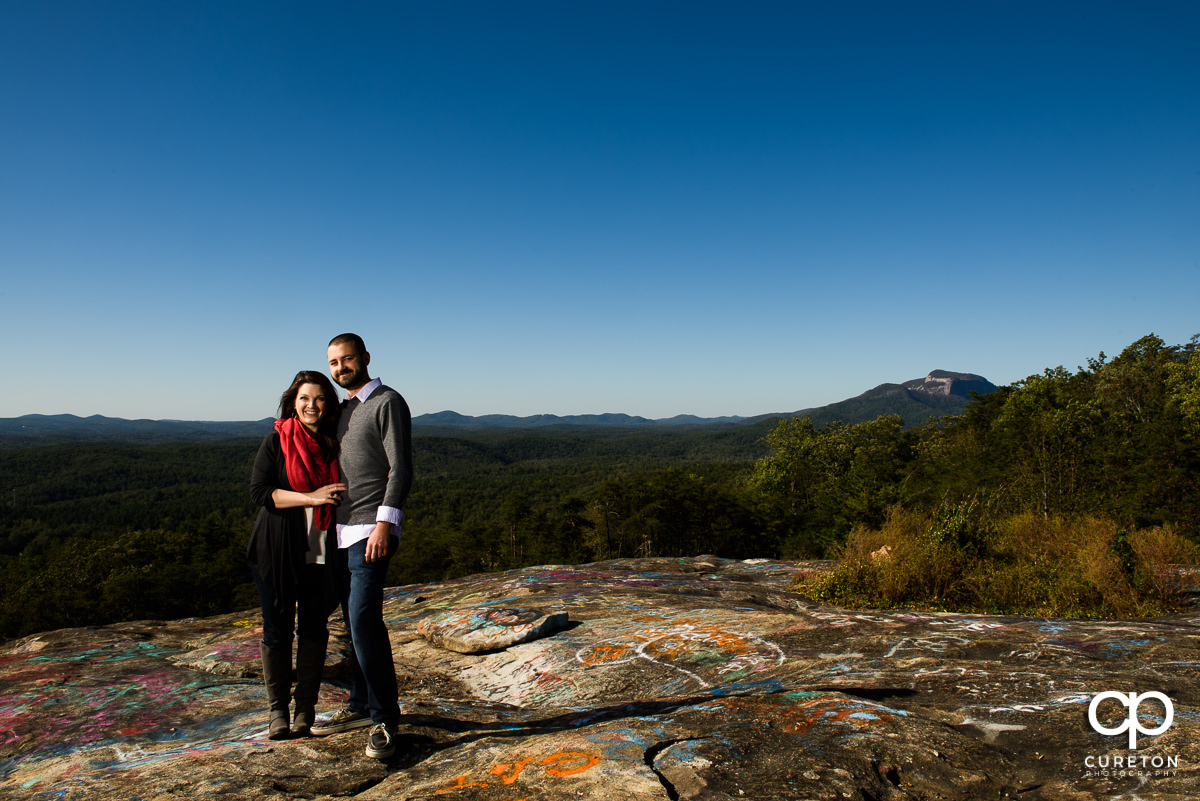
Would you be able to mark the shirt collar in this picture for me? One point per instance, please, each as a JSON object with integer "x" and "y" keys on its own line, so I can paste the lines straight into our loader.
{"x": 365, "y": 390}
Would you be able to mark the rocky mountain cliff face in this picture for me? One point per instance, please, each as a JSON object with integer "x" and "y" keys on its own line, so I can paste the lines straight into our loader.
{"x": 944, "y": 383}
{"x": 670, "y": 679}
{"x": 937, "y": 394}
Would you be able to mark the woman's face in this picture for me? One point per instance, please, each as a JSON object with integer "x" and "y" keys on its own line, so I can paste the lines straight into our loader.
{"x": 310, "y": 405}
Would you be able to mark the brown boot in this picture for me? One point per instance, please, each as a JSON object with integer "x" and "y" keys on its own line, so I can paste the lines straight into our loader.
{"x": 277, "y": 676}
{"x": 310, "y": 667}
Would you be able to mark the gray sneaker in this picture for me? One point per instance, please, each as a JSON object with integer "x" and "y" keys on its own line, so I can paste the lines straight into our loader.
{"x": 344, "y": 719}
{"x": 382, "y": 742}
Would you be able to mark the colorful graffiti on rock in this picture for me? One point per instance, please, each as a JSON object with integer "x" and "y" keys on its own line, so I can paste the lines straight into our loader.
{"x": 481, "y": 629}
{"x": 142, "y": 710}
{"x": 653, "y": 653}
{"x": 559, "y": 764}
{"x": 799, "y": 711}
{"x": 702, "y": 650}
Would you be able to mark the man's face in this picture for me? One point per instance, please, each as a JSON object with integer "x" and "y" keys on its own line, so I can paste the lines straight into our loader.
{"x": 347, "y": 366}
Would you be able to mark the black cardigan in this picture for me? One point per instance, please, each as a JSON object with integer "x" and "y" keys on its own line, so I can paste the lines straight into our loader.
{"x": 279, "y": 541}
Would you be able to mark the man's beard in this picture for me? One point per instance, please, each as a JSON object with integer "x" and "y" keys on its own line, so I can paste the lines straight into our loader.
{"x": 349, "y": 380}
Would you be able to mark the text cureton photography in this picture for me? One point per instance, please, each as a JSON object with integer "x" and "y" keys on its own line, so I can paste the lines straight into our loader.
{"x": 1132, "y": 763}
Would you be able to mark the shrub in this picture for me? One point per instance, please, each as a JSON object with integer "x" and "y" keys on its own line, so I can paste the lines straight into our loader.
{"x": 957, "y": 559}
{"x": 1160, "y": 551}
{"x": 903, "y": 561}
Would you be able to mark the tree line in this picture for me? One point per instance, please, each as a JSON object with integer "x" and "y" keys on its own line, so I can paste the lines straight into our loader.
{"x": 93, "y": 534}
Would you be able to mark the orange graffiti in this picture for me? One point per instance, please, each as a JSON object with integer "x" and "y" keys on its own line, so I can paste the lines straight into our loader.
{"x": 606, "y": 653}
{"x": 838, "y": 711}
{"x": 560, "y": 764}
{"x": 682, "y": 639}
{"x": 516, "y": 767}
{"x": 800, "y": 717}
{"x": 460, "y": 783}
{"x": 581, "y": 762}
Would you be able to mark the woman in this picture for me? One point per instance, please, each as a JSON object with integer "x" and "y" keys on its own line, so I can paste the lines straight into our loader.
{"x": 296, "y": 482}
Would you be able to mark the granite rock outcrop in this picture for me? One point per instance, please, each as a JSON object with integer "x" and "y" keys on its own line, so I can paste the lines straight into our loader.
{"x": 946, "y": 383}
{"x": 698, "y": 678}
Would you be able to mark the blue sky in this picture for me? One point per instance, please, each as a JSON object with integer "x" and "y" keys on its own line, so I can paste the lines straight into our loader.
{"x": 568, "y": 208}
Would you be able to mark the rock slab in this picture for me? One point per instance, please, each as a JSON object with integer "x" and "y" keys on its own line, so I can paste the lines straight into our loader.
{"x": 677, "y": 679}
{"x": 481, "y": 629}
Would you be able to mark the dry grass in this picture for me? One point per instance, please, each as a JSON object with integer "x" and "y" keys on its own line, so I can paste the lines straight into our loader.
{"x": 1160, "y": 551}
{"x": 956, "y": 559}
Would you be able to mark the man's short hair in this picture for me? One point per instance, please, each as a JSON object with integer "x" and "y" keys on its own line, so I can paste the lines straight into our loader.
{"x": 360, "y": 347}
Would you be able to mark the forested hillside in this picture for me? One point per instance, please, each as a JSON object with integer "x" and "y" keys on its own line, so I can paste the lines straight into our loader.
{"x": 95, "y": 532}
{"x": 91, "y": 534}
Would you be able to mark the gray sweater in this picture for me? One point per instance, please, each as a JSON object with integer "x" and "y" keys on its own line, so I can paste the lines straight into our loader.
{"x": 376, "y": 456}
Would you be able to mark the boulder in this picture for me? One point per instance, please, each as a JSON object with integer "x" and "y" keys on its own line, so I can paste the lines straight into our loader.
{"x": 477, "y": 630}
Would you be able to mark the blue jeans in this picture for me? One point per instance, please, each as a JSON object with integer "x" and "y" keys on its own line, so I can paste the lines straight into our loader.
{"x": 306, "y": 601}
{"x": 373, "y": 673}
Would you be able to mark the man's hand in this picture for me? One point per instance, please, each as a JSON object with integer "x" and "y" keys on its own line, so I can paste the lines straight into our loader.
{"x": 377, "y": 543}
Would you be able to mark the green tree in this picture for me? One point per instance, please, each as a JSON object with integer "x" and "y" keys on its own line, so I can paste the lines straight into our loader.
{"x": 1043, "y": 433}
{"x": 820, "y": 483}
{"x": 1183, "y": 384}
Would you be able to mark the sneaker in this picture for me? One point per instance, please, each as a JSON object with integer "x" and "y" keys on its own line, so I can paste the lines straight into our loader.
{"x": 382, "y": 742}
{"x": 344, "y": 719}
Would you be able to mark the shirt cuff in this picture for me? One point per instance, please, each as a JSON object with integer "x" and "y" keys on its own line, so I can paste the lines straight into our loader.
{"x": 388, "y": 514}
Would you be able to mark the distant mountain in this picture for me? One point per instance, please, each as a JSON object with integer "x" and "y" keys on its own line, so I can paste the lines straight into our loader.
{"x": 455, "y": 420}
{"x": 53, "y": 429}
{"x": 939, "y": 393}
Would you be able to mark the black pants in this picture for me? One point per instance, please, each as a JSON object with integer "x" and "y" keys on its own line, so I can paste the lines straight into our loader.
{"x": 306, "y": 610}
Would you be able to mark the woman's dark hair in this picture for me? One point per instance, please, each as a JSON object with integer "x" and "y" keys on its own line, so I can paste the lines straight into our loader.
{"x": 327, "y": 425}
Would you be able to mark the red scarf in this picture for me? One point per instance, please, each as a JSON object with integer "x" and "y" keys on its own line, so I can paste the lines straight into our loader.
{"x": 307, "y": 469}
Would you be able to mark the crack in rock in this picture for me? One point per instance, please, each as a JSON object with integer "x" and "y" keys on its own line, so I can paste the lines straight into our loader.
{"x": 679, "y": 779}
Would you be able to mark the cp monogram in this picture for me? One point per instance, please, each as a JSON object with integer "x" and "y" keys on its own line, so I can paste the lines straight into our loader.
{"x": 1132, "y": 725}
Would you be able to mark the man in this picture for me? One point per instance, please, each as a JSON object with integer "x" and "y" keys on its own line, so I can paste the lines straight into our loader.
{"x": 375, "y": 432}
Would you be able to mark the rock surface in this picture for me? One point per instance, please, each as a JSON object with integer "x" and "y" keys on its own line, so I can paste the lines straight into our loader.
{"x": 675, "y": 679}
{"x": 476, "y": 631}
{"x": 944, "y": 382}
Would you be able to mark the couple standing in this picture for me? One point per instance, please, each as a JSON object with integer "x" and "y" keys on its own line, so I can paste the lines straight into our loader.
{"x": 331, "y": 481}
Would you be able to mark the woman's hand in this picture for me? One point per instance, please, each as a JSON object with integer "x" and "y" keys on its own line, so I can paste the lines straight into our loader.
{"x": 328, "y": 494}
